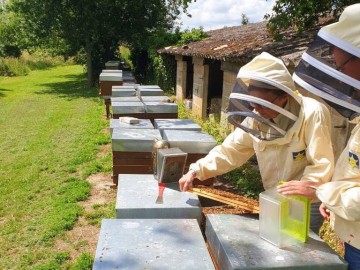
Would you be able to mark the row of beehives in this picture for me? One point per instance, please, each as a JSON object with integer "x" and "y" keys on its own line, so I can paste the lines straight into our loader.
{"x": 125, "y": 97}
{"x": 142, "y": 101}
{"x": 147, "y": 235}
{"x": 132, "y": 144}
{"x": 131, "y": 241}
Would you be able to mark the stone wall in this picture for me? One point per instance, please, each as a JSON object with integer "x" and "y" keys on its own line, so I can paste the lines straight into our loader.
{"x": 200, "y": 87}
{"x": 181, "y": 70}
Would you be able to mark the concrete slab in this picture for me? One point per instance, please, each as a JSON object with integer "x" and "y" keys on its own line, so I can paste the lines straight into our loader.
{"x": 143, "y": 124}
{"x": 160, "y": 244}
{"x": 189, "y": 141}
{"x": 236, "y": 244}
{"x": 176, "y": 124}
{"x": 137, "y": 194}
{"x": 134, "y": 140}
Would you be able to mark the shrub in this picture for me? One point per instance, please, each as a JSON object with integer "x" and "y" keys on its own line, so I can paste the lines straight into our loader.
{"x": 246, "y": 178}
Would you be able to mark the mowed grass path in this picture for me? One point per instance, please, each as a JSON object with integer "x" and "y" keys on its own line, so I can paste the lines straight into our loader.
{"x": 51, "y": 128}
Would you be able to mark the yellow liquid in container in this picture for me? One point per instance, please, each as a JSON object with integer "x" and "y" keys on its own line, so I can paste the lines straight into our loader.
{"x": 295, "y": 217}
{"x": 283, "y": 219}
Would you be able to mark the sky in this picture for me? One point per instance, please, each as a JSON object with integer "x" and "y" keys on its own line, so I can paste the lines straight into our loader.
{"x": 215, "y": 14}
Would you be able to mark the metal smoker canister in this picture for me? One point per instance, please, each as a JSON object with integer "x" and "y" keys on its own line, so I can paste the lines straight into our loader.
{"x": 157, "y": 144}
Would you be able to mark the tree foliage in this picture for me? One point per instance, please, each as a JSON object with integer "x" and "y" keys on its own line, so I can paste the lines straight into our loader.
{"x": 302, "y": 14}
{"x": 193, "y": 35}
{"x": 96, "y": 27}
{"x": 244, "y": 19}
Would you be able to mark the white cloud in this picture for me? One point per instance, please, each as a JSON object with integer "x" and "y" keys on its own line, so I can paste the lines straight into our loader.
{"x": 214, "y": 14}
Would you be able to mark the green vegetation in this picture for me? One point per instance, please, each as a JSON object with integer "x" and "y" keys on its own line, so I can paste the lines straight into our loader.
{"x": 246, "y": 178}
{"x": 51, "y": 130}
{"x": 302, "y": 14}
{"x": 95, "y": 28}
{"x": 193, "y": 35}
{"x": 21, "y": 66}
{"x": 99, "y": 212}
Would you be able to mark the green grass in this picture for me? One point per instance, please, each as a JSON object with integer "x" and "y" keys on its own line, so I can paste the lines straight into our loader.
{"x": 51, "y": 128}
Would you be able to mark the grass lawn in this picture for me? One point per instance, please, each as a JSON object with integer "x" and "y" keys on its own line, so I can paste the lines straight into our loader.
{"x": 51, "y": 129}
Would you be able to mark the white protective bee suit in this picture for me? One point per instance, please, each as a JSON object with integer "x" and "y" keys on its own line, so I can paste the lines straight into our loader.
{"x": 301, "y": 147}
{"x": 342, "y": 195}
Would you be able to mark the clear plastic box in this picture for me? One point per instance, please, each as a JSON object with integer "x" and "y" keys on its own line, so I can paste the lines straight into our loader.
{"x": 284, "y": 220}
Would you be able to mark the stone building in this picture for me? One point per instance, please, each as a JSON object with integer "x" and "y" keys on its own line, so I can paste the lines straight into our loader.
{"x": 206, "y": 70}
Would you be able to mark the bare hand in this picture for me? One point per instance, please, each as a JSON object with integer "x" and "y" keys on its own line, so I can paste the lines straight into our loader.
{"x": 186, "y": 181}
{"x": 324, "y": 211}
{"x": 295, "y": 187}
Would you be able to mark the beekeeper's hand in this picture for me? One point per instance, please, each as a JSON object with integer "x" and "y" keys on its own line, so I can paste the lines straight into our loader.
{"x": 186, "y": 180}
{"x": 295, "y": 187}
{"x": 324, "y": 211}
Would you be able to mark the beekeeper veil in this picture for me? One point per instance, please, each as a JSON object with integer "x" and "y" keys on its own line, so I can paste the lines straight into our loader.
{"x": 328, "y": 68}
{"x": 269, "y": 74}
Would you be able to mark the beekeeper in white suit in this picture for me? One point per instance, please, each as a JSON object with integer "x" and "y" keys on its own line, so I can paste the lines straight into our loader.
{"x": 330, "y": 68}
{"x": 289, "y": 133}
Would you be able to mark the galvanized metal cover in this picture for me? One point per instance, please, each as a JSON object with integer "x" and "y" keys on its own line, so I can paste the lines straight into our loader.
{"x": 160, "y": 107}
{"x": 127, "y": 87}
{"x": 190, "y": 141}
{"x": 125, "y": 99}
{"x": 149, "y": 87}
{"x": 123, "y": 92}
{"x": 127, "y": 107}
{"x": 110, "y": 77}
{"x": 137, "y": 199}
{"x": 118, "y": 71}
{"x": 150, "y": 92}
{"x": 176, "y": 124}
{"x": 134, "y": 140}
{"x": 151, "y": 244}
{"x": 143, "y": 124}
{"x": 236, "y": 244}
{"x": 112, "y": 64}
{"x": 155, "y": 99}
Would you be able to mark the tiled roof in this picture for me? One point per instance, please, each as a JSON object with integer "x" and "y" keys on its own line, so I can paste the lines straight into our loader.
{"x": 242, "y": 43}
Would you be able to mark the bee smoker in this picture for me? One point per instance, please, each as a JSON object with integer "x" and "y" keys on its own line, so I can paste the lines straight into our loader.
{"x": 157, "y": 144}
{"x": 168, "y": 163}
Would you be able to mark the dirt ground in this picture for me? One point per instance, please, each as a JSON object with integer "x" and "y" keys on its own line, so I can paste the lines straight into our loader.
{"x": 84, "y": 236}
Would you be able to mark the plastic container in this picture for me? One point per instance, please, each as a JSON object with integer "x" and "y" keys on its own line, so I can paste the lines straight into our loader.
{"x": 284, "y": 220}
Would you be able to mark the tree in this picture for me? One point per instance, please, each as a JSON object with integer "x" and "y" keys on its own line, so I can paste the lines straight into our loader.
{"x": 96, "y": 27}
{"x": 302, "y": 14}
{"x": 244, "y": 19}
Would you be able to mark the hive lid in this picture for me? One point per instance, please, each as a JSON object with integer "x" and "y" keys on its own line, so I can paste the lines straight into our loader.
{"x": 110, "y": 77}
{"x": 150, "y": 92}
{"x": 125, "y": 99}
{"x": 112, "y": 64}
{"x": 134, "y": 140}
{"x": 127, "y": 107}
{"x": 164, "y": 99}
{"x": 190, "y": 141}
{"x": 148, "y": 87}
{"x": 160, "y": 107}
{"x": 116, "y": 71}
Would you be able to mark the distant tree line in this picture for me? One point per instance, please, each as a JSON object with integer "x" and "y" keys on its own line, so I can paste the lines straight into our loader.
{"x": 94, "y": 30}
